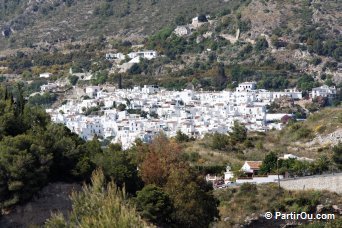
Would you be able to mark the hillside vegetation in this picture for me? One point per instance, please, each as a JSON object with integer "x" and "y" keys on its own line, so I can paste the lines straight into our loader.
{"x": 35, "y": 21}
{"x": 281, "y": 44}
{"x": 248, "y": 204}
{"x": 213, "y": 152}
{"x": 164, "y": 180}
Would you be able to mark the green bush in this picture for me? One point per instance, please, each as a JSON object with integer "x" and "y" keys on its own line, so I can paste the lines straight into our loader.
{"x": 248, "y": 189}
{"x": 219, "y": 141}
{"x": 73, "y": 79}
{"x": 261, "y": 44}
{"x": 154, "y": 204}
{"x": 100, "y": 205}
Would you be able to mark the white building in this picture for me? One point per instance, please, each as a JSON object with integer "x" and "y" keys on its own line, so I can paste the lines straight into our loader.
{"x": 291, "y": 156}
{"x": 114, "y": 56}
{"x": 143, "y": 54}
{"x": 45, "y": 75}
{"x": 192, "y": 112}
{"x": 251, "y": 167}
{"x": 246, "y": 86}
{"x": 294, "y": 93}
{"x": 324, "y": 91}
{"x": 150, "y": 89}
{"x": 92, "y": 91}
{"x": 50, "y": 87}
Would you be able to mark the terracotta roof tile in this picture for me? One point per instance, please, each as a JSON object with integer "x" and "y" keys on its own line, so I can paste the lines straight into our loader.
{"x": 254, "y": 164}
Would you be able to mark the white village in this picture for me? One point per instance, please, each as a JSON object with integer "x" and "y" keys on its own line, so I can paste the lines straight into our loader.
{"x": 123, "y": 115}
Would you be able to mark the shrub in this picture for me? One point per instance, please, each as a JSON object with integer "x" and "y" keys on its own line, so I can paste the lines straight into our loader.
{"x": 202, "y": 18}
{"x": 219, "y": 141}
{"x": 261, "y": 44}
{"x": 181, "y": 137}
{"x": 154, "y": 204}
{"x": 248, "y": 188}
{"x": 99, "y": 204}
{"x": 73, "y": 79}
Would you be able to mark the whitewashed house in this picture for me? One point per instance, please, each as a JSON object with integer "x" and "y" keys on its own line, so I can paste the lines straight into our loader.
{"x": 150, "y": 89}
{"x": 50, "y": 87}
{"x": 92, "y": 91}
{"x": 324, "y": 91}
{"x": 143, "y": 54}
{"x": 115, "y": 56}
{"x": 251, "y": 167}
{"x": 45, "y": 75}
{"x": 195, "y": 113}
{"x": 246, "y": 86}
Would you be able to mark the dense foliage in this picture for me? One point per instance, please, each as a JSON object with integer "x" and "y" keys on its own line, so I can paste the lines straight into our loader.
{"x": 256, "y": 199}
{"x": 99, "y": 205}
{"x": 228, "y": 142}
{"x": 43, "y": 100}
{"x": 154, "y": 204}
{"x": 294, "y": 167}
{"x": 162, "y": 165}
{"x": 34, "y": 151}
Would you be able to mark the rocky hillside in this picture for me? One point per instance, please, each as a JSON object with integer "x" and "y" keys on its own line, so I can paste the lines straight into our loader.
{"x": 279, "y": 44}
{"x": 24, "y": 22}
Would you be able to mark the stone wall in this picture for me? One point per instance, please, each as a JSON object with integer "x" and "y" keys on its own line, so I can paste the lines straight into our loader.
{"x": 330, "y": 182}
{"x": 260, "y": 180}
{"x": 53, "y": 198}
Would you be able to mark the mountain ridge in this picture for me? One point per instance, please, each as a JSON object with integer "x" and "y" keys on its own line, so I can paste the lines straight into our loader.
{"x": 61, "y": 20}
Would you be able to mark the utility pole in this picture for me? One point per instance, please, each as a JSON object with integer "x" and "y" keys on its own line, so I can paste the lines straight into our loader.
{"x": 278, "y": 174}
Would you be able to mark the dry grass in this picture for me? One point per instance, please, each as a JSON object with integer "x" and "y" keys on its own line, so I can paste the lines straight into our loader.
{"x": 282, "y": 142}
{"x": 237, "y": 204}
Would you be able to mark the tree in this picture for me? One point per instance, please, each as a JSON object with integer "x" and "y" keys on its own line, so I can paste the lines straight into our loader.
{"x": 305, "y": 82}
{"x": 154, "y": 204}
{"x": 66, "y": 149}
{"x": 119, "y": 166}
{"x": 238, "y": 133}
{"x": 157, "y": 160}
{"x": 120, "y": 81}
{"x": 269, "y": 164}
{"x": 180, "y": 20}
{"x": 85, "y": 163}
{"x": 181, "y": 137}
{"x": 46, "y": 99}
{"x": 261, "y": 44}
{"x": 121, "y": 107}
{"x": 100, "y": 205}
{"x": 161, "y": 164}
{"x": 73, "y": 79}
{"x": 202, "y": 18}
{"x": 337, "y": 156}
{"x": 135, "y": 69}
{"x": 220, "y": 81}
{"x": 322, "y": 164}
{"x": 34, "y": 151}
{"x": 24, "y": 166}
{"x": 220, "y": 141}
{"x": 194, "y": 205}
{"x": 104, "y": 10}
